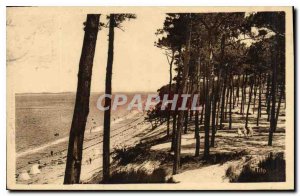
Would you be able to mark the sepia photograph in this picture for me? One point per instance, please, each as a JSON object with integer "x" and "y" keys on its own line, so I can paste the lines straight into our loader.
{"x": 150, "y": 98}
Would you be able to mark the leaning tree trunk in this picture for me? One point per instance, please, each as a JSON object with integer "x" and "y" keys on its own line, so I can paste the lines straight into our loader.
{"x": 106, "y": 130}
{"x": 182, "y": 90}
{"x": 81, "y": 110}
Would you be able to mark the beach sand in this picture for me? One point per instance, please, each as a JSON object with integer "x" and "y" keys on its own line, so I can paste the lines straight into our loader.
{"x": 124, "y": 131}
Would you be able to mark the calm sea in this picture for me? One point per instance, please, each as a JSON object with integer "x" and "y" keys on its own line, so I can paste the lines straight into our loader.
{"x": 44, "y": 118}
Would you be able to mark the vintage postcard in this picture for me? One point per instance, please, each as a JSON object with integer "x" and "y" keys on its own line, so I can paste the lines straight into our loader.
{"x": 150, "y": 98}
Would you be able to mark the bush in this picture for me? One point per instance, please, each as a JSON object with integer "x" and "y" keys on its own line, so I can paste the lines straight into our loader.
{"x": 127, "y": 155}
{"x": 221, "y": 158}
{"x": 271, "y": 169}
{"x": 139, "y": 176}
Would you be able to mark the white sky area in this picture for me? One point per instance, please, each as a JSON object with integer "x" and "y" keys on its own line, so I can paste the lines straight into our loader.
{"x": 44, "y": 47}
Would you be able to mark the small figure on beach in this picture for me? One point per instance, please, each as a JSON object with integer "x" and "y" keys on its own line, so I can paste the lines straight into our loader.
{"x": 51, "y": 152}
{"x": 90, "y": 160}
{"x": 239, "y": 132}
{"x": 56, "y": 134}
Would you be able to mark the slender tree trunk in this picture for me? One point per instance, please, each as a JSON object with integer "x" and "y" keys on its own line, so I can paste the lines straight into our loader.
{"x": 215, "y": 106}
{"x": 230, "y": 104}
{"x": 242, "y": 98}
{"x": 197, "y": 130}
{"x": 186, "y": 121}
{"x": 213, "y": 118}
{"x": 182, "y": 90}
{"x": 175, "y": 114}
{"x": 244, "y": 94}
{"x": 218, "y": 114}
{"x": 249, "y": 103}
{"x": 107, "y": 113}
{"x": 81, "y": 110}
{"x": 174, "y": 130}
{"x": 223, "y": 100}
{"x": 259, "y": 102}
{"x": 273, "y": 97}
{"x": 268, "y": 97}
{"x": 207, "y": 120}
{"x": 278, "y": 107}
{"x": 254, "y": 101}
{"x": 238, "y": 91}
{"x": 197, "y": 133}
{"x": 203, "y": 101}
{"x": 226, "y": 105}
{"x": 170, "y": 89}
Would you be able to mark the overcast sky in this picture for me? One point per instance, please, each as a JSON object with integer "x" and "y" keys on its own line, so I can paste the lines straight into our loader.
{"x": 44, "y": 47}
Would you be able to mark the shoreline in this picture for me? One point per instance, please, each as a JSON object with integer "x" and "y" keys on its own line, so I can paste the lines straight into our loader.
{"x": 52, "y": 167}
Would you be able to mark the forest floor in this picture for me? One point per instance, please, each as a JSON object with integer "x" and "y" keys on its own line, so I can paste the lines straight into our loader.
{"x": 152, "y": 155}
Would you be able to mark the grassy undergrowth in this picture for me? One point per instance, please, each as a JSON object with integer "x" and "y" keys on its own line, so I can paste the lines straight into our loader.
{"x": 270, "y": 169}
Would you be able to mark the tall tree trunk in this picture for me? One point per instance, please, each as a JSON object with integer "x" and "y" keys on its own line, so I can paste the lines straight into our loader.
{"x": 278, "y": 107}
{"x": 182, "y": 90}
{"x": 214, "y": 110}
{"x": 223, "y": 99}
{"x": 203, "y": 101}
{"x": 81, "y": 110}
{"x": 174, "y": 131}
{"x": 197, "y": 128}
{"x": 207, "y": 120}
{"x": 226, "y": 104}
{"x": 218, "y": 114}
{"x": 197, "y": 133}
{"x": 106, "y": 130}
{"x": 242, "y": 98}
{"x": 213, "y": 118}
{"x": 238, "y": 91}
{"x": 268, "y": 97}
{"x": 230, "y": 105}
{"x": 259, "y": 101}
{"x": 186, "y": 121}
{"x": 175, "y": 112}
{"x": 244, "y": 94}
{"x": 170, "y": 89}
{"x": 273, "y": 97}
{"x": 254, "y": 101}
{"x": 249, "y": 103}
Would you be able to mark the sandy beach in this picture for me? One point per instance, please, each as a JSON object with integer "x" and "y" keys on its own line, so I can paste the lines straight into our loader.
{"x": 125, "y": 132}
